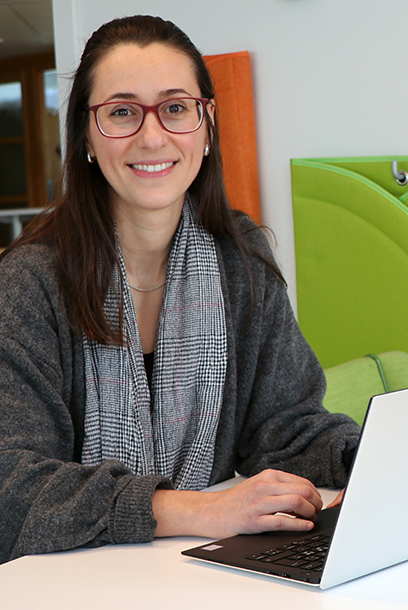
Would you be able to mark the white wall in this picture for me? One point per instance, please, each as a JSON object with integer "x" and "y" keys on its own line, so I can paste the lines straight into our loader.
{"x": 330, "y": 77}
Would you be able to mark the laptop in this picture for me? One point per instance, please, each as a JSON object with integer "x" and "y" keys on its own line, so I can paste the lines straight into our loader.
{"x": 365, "y": 534}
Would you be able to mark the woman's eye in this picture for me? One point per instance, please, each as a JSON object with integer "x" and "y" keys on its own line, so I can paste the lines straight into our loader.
{"x": 121, "y": 112}
{"x": 175, "y": 108}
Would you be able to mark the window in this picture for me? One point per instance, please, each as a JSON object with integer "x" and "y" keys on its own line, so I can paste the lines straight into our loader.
{"x": 52, "y": 146}
{"x": 13, "y": 186}
{"x": 29, "y": 137}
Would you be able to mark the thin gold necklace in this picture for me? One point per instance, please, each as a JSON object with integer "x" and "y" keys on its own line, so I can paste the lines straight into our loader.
{"x": 147, "y": 289}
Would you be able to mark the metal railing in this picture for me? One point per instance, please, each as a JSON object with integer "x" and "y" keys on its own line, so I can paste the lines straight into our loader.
{"x": 17, "y": 218}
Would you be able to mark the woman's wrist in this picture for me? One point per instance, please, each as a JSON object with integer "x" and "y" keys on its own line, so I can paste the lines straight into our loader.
{"x": 183, "y": 513}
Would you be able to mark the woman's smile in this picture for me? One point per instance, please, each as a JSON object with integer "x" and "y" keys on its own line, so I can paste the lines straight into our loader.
{"x": 152, "y": 168}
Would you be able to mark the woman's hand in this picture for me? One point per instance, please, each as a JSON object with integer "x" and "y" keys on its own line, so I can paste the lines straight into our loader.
{"x": 270, "y": 500}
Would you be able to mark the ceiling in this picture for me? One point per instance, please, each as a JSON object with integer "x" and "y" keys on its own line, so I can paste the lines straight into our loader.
{"x": 26, "y": 27}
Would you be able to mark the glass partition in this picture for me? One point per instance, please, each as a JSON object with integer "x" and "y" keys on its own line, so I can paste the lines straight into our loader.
{"x": 51, "y": 133}
{"x": 11, "y": 110}
{"x": 13, "y": 186}
{"x": 12, "y": 163}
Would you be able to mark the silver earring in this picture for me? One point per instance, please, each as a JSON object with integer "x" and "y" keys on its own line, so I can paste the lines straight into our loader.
{"x": 206, "y": 150}
{"x": 90, "y": 159}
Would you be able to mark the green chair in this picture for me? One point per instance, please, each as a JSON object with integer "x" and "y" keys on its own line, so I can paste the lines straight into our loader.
{"x": 351, "y": 385}
{"x": 351, "y": 240}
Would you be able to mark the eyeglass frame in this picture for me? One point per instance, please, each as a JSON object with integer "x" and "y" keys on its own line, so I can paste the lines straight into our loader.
{"x": 146, "y": 109}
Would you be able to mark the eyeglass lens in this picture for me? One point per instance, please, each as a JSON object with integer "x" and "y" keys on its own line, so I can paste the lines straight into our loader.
{"x": 122, "y": 118}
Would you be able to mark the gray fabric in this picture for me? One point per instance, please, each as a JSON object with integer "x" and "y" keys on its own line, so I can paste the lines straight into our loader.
{"x": 177, "y": 437}
{"x": 272, "y": 414}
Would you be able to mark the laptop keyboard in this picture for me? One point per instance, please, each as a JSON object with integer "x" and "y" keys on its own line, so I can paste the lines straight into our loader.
{"x": 307, "y": 554}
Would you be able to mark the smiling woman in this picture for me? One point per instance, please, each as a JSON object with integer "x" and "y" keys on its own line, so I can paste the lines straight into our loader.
{"x": 147, "y": 344}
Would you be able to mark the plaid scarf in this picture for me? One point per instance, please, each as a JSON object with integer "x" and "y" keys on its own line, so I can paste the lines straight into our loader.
{"x": 172, "y": 432}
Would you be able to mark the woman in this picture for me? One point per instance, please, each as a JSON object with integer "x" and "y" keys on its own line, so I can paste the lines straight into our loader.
{"x": 147, "y": 345}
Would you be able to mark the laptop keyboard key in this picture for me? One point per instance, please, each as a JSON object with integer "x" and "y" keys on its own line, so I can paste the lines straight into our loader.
{"x": 308, "y": 554}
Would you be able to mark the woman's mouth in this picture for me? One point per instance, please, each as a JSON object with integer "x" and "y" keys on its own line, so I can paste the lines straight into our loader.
{"x": 158, "y": 167}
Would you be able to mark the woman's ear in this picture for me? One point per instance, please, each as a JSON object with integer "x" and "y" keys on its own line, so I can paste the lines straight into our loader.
{"x": 89, "y": 149}
{"x": 210, "y": 111}
{"x": 211, "y": 108}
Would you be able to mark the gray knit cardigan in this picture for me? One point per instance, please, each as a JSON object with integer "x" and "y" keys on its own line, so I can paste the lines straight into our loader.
{"x": 272, "y": 414}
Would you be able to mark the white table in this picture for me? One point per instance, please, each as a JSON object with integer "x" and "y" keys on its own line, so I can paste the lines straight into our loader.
{"x": 156, "y": 575}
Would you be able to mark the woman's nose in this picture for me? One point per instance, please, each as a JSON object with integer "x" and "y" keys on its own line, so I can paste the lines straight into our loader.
{"x": 152, "y": 133}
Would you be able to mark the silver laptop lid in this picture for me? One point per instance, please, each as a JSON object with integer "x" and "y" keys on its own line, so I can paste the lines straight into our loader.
{"x": 371, "y": 532}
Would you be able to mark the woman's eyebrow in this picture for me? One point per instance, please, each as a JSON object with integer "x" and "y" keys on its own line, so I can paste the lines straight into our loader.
{"x": 133, "y": 96}
{"x": 122, "y": 96}
{"x": 170, "y": 92}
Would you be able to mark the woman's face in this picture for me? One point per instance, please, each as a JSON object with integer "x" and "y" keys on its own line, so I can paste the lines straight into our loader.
{"x": 146, "y": 75}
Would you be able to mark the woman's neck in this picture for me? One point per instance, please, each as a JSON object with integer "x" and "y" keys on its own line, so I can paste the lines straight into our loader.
{"x": 146, "y": 240}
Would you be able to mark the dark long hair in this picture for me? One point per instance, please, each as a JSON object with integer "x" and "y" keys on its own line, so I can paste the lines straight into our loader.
{"x": 81, "y": 225}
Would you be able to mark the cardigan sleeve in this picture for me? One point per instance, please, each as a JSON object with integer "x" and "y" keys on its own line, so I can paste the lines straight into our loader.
{"x": 48, "y": 500}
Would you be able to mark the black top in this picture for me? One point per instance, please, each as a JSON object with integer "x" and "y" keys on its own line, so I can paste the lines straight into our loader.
{"x": 148, "y": 362}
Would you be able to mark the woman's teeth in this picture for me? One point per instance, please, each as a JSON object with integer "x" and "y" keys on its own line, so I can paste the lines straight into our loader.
{"x": 153, "y": 168}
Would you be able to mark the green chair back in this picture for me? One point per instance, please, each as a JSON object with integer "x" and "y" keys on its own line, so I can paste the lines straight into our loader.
{"x": 351, "y": 385}
{"x": 351, "y": 242}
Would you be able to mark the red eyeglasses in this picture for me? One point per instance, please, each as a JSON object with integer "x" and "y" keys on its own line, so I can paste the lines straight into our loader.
{"x": 123, "y": 119}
